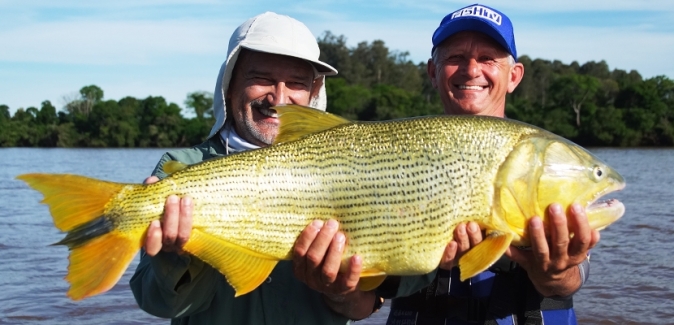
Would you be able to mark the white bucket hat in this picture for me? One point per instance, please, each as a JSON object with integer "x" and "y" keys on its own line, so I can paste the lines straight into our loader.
{"x": 269, "y": 33}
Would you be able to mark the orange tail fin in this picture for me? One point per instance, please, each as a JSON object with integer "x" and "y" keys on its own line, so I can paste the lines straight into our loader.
{"x": 100, "y": 253}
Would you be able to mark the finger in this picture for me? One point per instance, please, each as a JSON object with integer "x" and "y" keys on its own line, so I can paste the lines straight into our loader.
{"x": 582, "y": 234}
{"x": 448, "y": 257}
{"x": 153, "y": 238}
{"x": 184, "y": 221}
{"x": 170, "y": 222}
{"x": 150, "y": 180}
{"x": 595, "y": 238}
{"x": 301, "y": 247}
{"x": 319, "y": 247}
{"x": 559, "y": 232}
{"x": 474, "y": 233}
{"x": 539, "y": 244}
{"x": 333, "y": 259}
{"x": 461, "y": 238}
{"x": 352, "y": 276}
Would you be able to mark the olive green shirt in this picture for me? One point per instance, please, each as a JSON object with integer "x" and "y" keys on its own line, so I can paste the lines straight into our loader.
{"x": 190, "y": 291}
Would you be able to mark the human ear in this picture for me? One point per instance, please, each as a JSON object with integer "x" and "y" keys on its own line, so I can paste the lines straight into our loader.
{"x": 430, "y": 70}
{"x": 516, "y": 75}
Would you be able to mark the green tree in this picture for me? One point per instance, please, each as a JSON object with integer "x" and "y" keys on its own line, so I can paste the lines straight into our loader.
{"x": 200, "y": 103}
{"x": 575, "y": 90}
{"x": 82, "y": 105}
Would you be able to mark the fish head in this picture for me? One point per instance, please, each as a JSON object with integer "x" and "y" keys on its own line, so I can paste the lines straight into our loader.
{"x": 543, "y": 169}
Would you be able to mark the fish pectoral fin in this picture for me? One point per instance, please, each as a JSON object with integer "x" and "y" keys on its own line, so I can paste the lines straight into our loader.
{"x": 371, "y": 280}
{"x": 484, "y": 254}
{"x": 512, "y": 211}
{"x": 297, "y": 121}
{"x": 243, "y": 268}
{"x": 173, "y": 166}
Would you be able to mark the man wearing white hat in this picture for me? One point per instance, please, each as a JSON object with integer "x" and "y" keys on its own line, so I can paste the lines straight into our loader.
{"x": 271, "y": 60}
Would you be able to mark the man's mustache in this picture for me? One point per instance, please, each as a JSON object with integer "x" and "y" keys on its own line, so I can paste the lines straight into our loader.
{"x": 260, "y": 103}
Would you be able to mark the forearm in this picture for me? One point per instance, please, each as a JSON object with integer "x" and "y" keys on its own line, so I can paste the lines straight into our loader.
{"x": 355, "y": 305}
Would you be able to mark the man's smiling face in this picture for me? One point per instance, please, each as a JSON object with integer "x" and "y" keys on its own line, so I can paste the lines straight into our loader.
{"x": 473, "y": 73}
{"x": 261, "y": 81}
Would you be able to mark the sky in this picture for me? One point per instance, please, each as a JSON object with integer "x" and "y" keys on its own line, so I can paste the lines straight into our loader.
{"x": 50, "y": 49}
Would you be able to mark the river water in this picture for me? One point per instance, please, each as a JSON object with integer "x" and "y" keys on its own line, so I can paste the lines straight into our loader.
{"x": 631, "y": 278}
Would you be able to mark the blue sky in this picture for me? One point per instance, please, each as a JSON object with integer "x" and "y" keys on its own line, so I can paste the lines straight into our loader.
{"x": 51, "y": 49}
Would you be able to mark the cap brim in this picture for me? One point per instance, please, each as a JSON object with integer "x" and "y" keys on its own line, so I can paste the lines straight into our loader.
{"x": 321, "y": 67}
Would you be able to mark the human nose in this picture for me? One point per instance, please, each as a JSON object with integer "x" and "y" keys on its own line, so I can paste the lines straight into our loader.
{"x": 278, "y": 95}
{"x": 472, "y": 68}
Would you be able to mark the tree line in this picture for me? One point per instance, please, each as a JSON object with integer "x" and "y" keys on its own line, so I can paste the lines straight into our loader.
{"x": 588, "y": 104}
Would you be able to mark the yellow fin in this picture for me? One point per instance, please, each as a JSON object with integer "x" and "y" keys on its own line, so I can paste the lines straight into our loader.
{"x": 298, "y": 121}
{"x": 173, "y": 166}
{"x": 486, "y": 253}
{"x": 244, "y": 269}
{"x": 73, "y": 200}
{"x": 96, "y": 266}
{"x": 368, "y": 283}
{"x": 99, "y": 253}
{"x": 512, "y": 212}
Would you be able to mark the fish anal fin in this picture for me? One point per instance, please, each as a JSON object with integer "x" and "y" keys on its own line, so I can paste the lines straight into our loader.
{"x": 173, "y": 166}
{"x": 97, "y": 265}
{"x": 243, "y": 268}
{"x": 72, "y": 199}
{"x": 371, "y": 281}
{"x": 484, "y": 254}
{"x": 298, "y": 121}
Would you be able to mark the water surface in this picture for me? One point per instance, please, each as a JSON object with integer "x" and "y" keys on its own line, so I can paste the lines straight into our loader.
{"x": 631, "y": 270}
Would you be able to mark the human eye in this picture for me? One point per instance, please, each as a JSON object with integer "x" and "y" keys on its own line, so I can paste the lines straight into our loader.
{"x": 454, "y": 57}
{"x": 487, "y": 58}
{"x": 298, "y": 84}
{"x": 261, "y": 80}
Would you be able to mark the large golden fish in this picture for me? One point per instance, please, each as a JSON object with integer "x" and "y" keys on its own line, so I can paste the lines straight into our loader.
{"x": 398, "y": 189}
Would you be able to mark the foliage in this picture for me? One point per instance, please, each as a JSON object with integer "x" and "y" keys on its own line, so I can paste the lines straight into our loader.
{"x": 587, "y": 103}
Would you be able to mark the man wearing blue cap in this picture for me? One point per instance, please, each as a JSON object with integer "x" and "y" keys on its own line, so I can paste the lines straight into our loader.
{"x": 473, "y": 67}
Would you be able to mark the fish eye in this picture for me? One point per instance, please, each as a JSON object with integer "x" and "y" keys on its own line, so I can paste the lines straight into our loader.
{"x": 598, "y": 172}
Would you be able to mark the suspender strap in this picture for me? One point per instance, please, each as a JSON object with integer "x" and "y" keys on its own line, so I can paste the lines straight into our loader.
{"x": 505, "y": 299}
{"x": 514, "y": 294}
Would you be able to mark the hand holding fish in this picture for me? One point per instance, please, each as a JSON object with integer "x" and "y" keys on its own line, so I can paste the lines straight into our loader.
{"x": 552, "y": 261}
{"x": 317, "y": 256}
{"x": 466, "y": 235}
{"x": 174, "y": 230}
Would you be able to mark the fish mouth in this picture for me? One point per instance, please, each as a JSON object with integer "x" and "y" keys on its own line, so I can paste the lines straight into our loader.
{"x": 600, "y": 214}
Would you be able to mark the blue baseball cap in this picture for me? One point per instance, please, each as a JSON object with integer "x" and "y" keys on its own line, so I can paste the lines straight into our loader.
{"x": 479, "y": 18}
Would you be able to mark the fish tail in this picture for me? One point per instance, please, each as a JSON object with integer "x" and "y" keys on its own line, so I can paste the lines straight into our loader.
{"x": 99, "y": 252}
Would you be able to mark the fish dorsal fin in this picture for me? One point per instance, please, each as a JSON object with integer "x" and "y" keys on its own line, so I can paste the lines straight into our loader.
{"x": 298, "y": 121}
{"x": 244, "y": 269}
{"x": 173, "y": 166}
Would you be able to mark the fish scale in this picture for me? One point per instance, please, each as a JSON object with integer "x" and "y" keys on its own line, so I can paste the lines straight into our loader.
{"x": 397, "y": 188}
